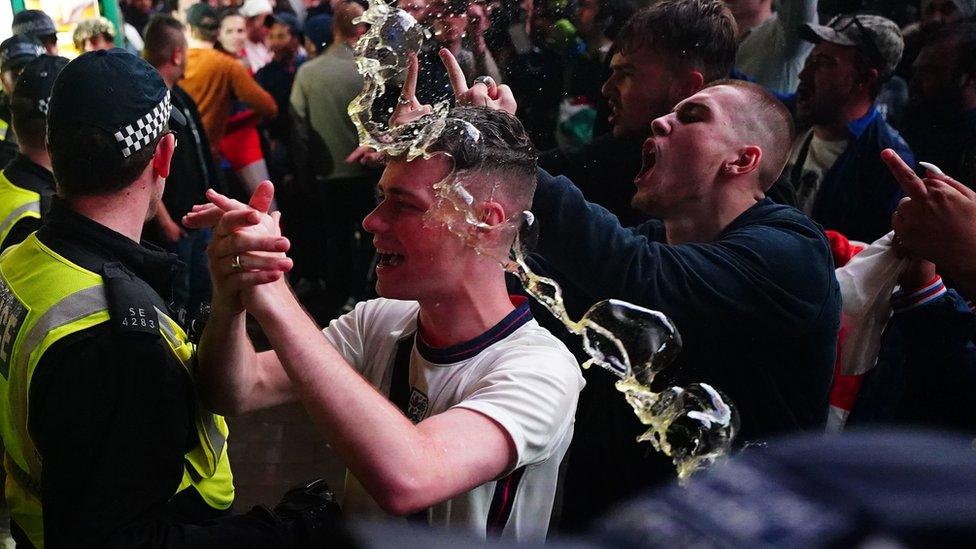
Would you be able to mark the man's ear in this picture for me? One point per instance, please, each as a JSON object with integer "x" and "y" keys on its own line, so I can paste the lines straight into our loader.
{"x": 164, "y": 155}
{"x": 747, "y": 161}
{"x": 178, "y": 57}
{"x": 688, "y": 84}
{"x": 491, "y": 213}
{"x": 871, "y": 77}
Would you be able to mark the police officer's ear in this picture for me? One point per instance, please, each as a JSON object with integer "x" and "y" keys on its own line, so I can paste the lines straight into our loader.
{"x": 164, "y": 155}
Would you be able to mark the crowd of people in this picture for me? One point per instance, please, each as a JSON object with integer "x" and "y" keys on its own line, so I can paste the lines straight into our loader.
{"x": 717, "y": 161}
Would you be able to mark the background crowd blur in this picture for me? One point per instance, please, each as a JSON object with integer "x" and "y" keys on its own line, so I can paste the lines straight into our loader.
{"x": 265, "y": 85}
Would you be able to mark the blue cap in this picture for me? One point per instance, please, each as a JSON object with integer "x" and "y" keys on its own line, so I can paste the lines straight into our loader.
{"x": 318, "y": 29}
{"x": 117, "y": 92}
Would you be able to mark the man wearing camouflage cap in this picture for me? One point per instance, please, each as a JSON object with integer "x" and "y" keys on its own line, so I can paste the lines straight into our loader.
{"x": 835, "y": 165}
{"x": 112, "y": 448}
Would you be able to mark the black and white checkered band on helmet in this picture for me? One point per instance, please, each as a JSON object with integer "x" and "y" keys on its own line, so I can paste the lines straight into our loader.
{"x": 42, "y": 105}
{"x": 141, "y": 133}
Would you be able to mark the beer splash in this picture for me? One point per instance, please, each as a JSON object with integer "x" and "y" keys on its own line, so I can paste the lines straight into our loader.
{"x": 694, "y": 425}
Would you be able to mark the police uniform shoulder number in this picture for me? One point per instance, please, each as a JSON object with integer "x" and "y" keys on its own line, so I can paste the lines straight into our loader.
{"x": 130, "y": 301}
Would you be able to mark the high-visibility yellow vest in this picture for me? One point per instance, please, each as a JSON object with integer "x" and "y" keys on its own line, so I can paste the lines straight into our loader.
{"x": 16, "y": 203}
{"x": 43, "y": 298}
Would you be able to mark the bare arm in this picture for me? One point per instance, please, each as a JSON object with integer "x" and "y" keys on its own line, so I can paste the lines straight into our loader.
{"x": 792, "y": 15}
{"x": 232, "y": 377}
{"x": 404, "y": 467}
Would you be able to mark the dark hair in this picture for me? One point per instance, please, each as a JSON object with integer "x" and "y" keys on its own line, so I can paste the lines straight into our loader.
{"x": 163, "y": 35}
{"x": 29, "y": 125}
{"x": 962, "y": 36}
{"x": 87, "y": 161}
{"x": 690, "y": 33}
{"x": 504, "y": 147}
{"x": 768, "y": 121}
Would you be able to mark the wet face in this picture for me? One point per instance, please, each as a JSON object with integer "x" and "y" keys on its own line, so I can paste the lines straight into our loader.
{"x": 231, "y": 33}
{"x": 937, "y": 85}
{"x": 939, "y": 12}
{"x": 829, "y": 79}
{"x": 640, "y": 88}
{"x": 281, "y": 42}
{"x": 416, "y": 259}
{"x": 416, "y": 8}
{"x": 687, "y": 150}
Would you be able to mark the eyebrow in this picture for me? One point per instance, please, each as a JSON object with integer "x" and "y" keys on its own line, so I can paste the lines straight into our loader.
{"x": 398, "y": 192}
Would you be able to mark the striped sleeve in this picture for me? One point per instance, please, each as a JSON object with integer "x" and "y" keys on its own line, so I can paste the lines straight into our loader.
{"x": 903, "y": 300}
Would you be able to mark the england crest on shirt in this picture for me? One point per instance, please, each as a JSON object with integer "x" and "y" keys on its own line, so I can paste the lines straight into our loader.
{"x": 417, "y": 406}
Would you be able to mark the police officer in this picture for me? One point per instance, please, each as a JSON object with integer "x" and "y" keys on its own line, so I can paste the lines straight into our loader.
{"x": 27, "y": 184}
{"x": 105, "y": 442}
{"x": 15, "y": 53}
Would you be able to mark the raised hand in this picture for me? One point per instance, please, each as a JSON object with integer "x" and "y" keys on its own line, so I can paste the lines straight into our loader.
{"x": 247, "y": 249}
{"x": 483, "y": 93}
{"x": 408, "y": 109}
{"x": 937, "y": 218}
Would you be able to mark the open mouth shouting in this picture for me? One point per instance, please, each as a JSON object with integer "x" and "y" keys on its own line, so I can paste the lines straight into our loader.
{"x": 648, "y": 159}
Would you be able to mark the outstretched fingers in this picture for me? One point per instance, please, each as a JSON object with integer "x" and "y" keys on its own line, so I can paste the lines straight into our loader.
{"x": 458, "y": 83}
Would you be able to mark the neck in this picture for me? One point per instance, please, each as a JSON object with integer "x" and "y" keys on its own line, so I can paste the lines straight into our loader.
{"x": 37, "y": 156}
{"x": 837, "y": 129}
{"x": 123, "y": 212}
{"x": 749, "y": 21}
{"x": 709, "y": 218}
{"x": 466, "y": 314}
{"x": 169, "y": 76}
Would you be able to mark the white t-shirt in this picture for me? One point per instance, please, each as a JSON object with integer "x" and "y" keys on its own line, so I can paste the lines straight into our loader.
{"x": 257, "y": 55}
{"x": 820, "y": 157}
{"x": 516, "y": 373}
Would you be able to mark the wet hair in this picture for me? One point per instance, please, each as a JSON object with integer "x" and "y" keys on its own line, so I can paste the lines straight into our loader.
{"x": 342, "y": 19}
{"x": 697, "y": 34}
{"x": 163, "y": 37}
{"x": 504, "y": 151}
{"x": 769, "y": 122}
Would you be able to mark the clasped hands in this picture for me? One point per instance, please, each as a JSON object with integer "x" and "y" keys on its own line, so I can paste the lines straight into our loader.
{"x": 247, "y": 253}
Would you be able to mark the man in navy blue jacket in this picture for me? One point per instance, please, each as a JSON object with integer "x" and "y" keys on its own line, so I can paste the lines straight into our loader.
{"x": 749, "y": 283}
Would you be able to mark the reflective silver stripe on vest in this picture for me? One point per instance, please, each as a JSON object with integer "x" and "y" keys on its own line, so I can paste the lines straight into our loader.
{"x": 9, "y": 221}
{"x": 70, "y": 309}
{"x": 217, "y": 439}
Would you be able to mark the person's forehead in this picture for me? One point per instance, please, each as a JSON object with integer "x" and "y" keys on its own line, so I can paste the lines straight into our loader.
{"x": 836, "y": 51}
{"x": 644, "y": 57}
{"x": 717, "y": 99}
{"x": 417, "y": 175}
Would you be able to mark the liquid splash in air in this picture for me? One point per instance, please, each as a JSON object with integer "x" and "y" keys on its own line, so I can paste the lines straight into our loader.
{"x": 694, "y": 425}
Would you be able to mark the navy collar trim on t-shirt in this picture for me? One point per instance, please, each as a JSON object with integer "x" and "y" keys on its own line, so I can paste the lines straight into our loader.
{"x": 469, "y": 349}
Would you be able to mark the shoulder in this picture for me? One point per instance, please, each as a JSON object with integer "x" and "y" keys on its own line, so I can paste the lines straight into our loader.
{"x": 531, "y": 351}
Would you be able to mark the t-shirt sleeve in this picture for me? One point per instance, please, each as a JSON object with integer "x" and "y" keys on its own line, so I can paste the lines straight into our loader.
{"x": 532, "y": 394}
{"x": 346, "y": 334}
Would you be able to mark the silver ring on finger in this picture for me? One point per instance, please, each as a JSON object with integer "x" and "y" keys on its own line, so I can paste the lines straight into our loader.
{"x": 236, "y": 263}
{"x": 486, "y": 80}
